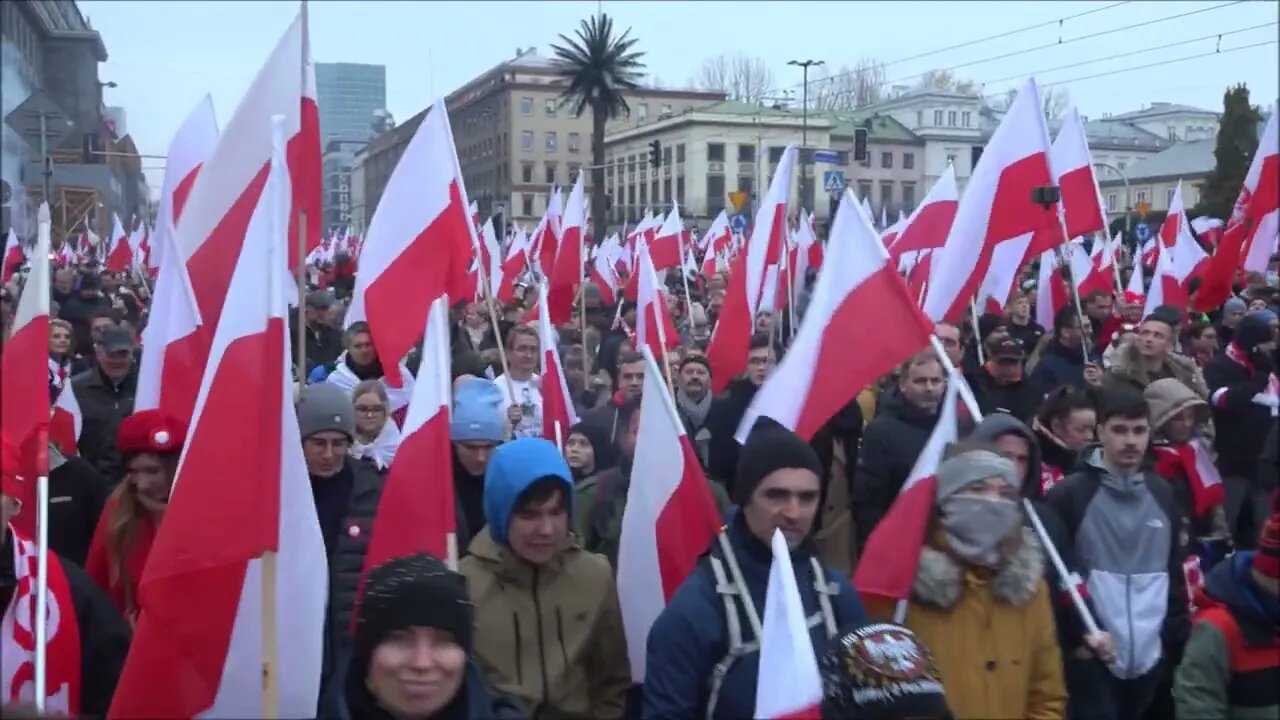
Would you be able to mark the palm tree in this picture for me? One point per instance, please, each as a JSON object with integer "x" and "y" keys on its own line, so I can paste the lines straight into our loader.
{"x": 598, "y": 67}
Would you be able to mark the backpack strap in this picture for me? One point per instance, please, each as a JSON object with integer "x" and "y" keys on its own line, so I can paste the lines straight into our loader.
{"x": 825, "y": 591}
{"x": 737, "y": 648}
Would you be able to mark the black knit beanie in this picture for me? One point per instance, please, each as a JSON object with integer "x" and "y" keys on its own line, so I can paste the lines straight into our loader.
{"x": 770, "y": 447}
{"x": 412, "y": 591}
{"x": 880, "y": 672}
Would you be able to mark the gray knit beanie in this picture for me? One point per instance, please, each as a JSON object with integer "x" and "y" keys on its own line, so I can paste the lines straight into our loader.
{"x": 957, "y": 472}
{"x": 325, "y": 407}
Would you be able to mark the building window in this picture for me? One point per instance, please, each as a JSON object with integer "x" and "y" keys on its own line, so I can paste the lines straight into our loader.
{"x": 919, "y": 118}
{"x": 551, "y": 141}
{"x": 666, "y": 154}
{"x": 715, "y": 195}
{"x": 574, "y": 169}
{"x": 1120, "y": 164}
{"x": 864, "y": 190}
{"x": 549, "y": 107}
{"x": 680, "y": 188}
{"x": 666, "y": 189}
{"x": 715, "y": 152}
{"x": 1168, "y": 197}
{"x": 526, "y": 202}
{"x": 967, "y": 118}
{"x": 1142, "y": 196}
{"x": 1111, "y": 202}
{"x": 666, "y": 111}
{"x": 842, "y": 157}
{"x": 951, "y": 118}
{"x": 526, "y": 109}
{"x": 526, "y": 172}
{"x": 644, "y": 193}
{"x": 775, "y": 154}
{"x": 746, "y": 153}
{"x": 551, "y": 174}
{"x": 886, "y": 194}
{"x": 631, "y": 196}
{"x": 642, "y": 112}
{"x": 908, "y": 161}
{"x": 951, "y": 159}
{"x": 886, "y": 160}
{"x": 575, "y": 141}
{"x": 526, "y": 140}
{"x": 937, "y": 118}
{"x": 1173, "y": 133}
{"x": 746, "y": 184}
{"x": 909, "y": 196}
{"x": 680, "y": 154}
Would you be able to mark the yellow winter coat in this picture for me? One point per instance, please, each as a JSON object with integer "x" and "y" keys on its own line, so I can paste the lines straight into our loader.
{"x": 550, "y": 636}
{"x": 991, "y": 634}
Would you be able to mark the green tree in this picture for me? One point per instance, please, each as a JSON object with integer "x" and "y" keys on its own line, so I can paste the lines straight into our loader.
{"x": 598, "y": 67}
{"x": 1237, "y": 142}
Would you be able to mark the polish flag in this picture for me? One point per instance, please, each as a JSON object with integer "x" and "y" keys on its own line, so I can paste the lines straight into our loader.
{"x": 169, "y": 372}
{"x": 807, "y": 249}
{"x": 654, "y": 328}
{"x": 669, "y": 520}
{"x": 419, "y": 244}
{"x": 558, "y": 414}
{"x": 1099, "y": 272}
{"x": 831, "y": 361}
{"x": 603, "y": 268}
{"x": 514, "y": 265}
{"x": 745, "y": 293}
{"x": 119, "y": 254}
{"x": 66, "y": 254}
{"x": 927, "y": 226}
{"x": 24, "y": 388}
{"x": 1253, "y": 229}
{"x": 1051, "y": 295}
{"x": 1165, "y": 288}
{"x": 788, "y": 686}
{"x": 1137, "y": 284}
{"x": 566, "y": 276}
{"x": 719, "y": 236}
{"x": 546, "y": 236}
{"x": 13, "y": 257}
{"x": 888, "y": 564}
{"x": 997, "y": 217}
{"x": 190, "y": 147}
{"x": 66, "y": 422}
{"x": 202, "y": 593}
{"x": 1082, "y": 208}
{"x": 1208, "y": 230}
{"x": 1189, "y": 258}
{"x": 416, "y": 512}
{"x": 667, "y": 248}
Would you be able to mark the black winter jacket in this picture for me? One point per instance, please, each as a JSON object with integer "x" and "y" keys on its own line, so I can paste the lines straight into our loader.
{"x": 77, "y": 494}
{"x": 722, "y": 422}
{"x": 103, "y": 405}
{"x": 890, "y": 445}
{"x": 1020, "y": 399}
{"x": 1059, "y": 366}
{"x": 1241, "y": 423}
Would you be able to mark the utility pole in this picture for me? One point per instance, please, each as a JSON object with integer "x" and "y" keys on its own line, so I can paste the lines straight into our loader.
{"x": 804, "y": 66}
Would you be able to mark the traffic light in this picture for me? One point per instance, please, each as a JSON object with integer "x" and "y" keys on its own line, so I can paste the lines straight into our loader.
{"x": 860, "y": 144}
{"x": 655, "y": 154}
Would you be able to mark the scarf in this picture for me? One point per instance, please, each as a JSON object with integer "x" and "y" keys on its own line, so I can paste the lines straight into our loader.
{"x": 18, "y": 638}
{"x": 696, "y": 409}
{"x": 1192, "y": 463}
{"x": 383, "y": 448}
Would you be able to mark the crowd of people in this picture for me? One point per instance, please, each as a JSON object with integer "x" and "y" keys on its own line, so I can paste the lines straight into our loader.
{"x": 1146, "y": 447}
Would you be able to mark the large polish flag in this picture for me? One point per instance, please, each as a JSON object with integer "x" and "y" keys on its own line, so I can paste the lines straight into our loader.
{"x": 1082, "y": 208}
{"x": 788, "y": 686}
{"x": 24, "y": 371}
{"x": 419, "y": 244}
{"x": 830, "y": 361}
{"x": 546, "y": 236}
{"x": 654, "y": 328}
{"x": 1189, "y": 258}
{"x": 670, "y": 517}
{"x": 191, "y": 146}
{"x": 888, "y": 564}
{"x": 558, "y": 414}
{"x": 1165, "y": 287}
{"x": 416, "y": 512}
{"x": 198, "y": 648}
{"x": 719, "y": 236}
{"x": 668, "y": 245}
{"x": 997, "y": 216}
{"x": 927, "y": 227}
{"x": 66, "y": 422}
{"x": 566, "y": 276}
{"x": 13, "y": 257}
{"x": 119, "y": 254}
{"x": 215, "y": 216}
{"x": 1051, "y": 295}
{"x": 604, "y": 271}
{"x": 1253, "y": 229}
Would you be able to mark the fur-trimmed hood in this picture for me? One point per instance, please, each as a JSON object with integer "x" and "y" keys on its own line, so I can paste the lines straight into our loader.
{"x": 1126, "y": 365}
{"x": 940, "y": 579}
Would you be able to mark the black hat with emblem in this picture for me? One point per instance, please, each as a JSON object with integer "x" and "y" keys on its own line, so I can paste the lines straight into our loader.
{"x": 881, "y": 672}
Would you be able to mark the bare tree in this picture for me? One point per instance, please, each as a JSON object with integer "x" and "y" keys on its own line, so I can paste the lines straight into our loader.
{"x": 848, "y": 88}
{"x": 943, "y": 79}
{"x": 1054, "y": 101}
{"x": 743, "y": 78}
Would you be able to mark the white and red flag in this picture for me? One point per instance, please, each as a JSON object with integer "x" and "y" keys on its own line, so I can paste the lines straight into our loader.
{"x": 190, "y": 147}
{"x": 1082, "y": 208}
{"x": 13, "y": 257}
{"x": 546, "y": 236}
{"x": 558, "y": 414}
{"x": 927, "y": 226}
{"x": 669, "y": 520}
{"x": 170, "y": 369}
{"x": 416, "y": 511}
{"x": 604, "y": 271}
{"x": 667, "y": 247}
{"x": 719, "y": 236}
{"x": 566, "y": 276}
{"x": 654, "y": 328}
{"x": 119, "y": 253}
{"x": 1209, "y": 230}
{"x": 997, "y": 217}
{"x": 419, "y": 245}
{"x": 1051, "y": 292}
{"x": 887, "y": 568}
{"x": 514, "y": 265}
{"x": 1165, "y": 287}
{"x": 201, "y": 595}
{"x": 831, "y": 361}
{"x": 66, "y": 421}
{"x": 1189, "y": 258}
{"x": 789, "y": 686}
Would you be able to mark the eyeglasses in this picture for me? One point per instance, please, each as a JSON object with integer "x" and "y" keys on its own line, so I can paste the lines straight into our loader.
{"x": 370, "y": 409}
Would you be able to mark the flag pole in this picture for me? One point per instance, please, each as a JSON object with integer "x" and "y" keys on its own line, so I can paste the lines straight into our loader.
{"x": 977, "y": 330}
{"x": 301, "y": 338}
{"x": 42, "y": 590}
{"x": 487, "y": 293}
{"x": 582, "y": 322}
{"x": 662, "y": 342}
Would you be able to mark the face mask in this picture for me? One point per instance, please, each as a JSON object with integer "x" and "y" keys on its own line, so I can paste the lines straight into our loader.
{"x": 975, "y": 526}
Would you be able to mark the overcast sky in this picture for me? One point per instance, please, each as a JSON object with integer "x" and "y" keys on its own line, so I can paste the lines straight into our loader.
{"x": 165, "y": 56}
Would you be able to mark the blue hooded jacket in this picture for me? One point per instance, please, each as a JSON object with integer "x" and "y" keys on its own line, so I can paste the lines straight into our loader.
{"x": 690, "y": 636}
{"x": 512, "y": 468}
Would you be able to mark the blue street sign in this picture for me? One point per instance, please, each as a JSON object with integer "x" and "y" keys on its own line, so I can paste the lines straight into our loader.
{"x": 738, "y": 222}
{"x": 833, "y": 181}
{"x": 1143, "y": 231}
{"x": 829, "y": 157}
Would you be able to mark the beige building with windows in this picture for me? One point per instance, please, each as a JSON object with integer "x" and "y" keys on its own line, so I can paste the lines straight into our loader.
{"x": 891, "y": 177}
{"x": 1153, "y": 180}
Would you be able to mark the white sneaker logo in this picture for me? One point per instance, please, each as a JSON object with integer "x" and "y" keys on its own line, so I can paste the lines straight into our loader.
{"x": 1155, "y": 523}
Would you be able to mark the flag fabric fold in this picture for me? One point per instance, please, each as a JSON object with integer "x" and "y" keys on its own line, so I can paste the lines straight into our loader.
{"x": 789, "y": 686}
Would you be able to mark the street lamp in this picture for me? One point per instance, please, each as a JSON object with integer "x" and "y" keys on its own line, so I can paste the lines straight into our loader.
{"x": 804, "y": 66}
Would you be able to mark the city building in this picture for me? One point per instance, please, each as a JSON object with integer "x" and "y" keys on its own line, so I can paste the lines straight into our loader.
{"x": 1152, "y": 180}
{"x": 1115, "y": 146}
{"x": 951, "y": 125}
{"x": 51, "y": 50}
{"x": 348, "y": 95}
{"x": 891, "y": 177}
{"x": 356, "y": 182}
{"x": 707, "y": 152}
{"x": 336, "y": 164}
{"x": 1171, "y": 121}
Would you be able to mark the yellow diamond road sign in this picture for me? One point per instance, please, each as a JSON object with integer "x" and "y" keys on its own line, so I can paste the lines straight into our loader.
{"x": 738, "y": 198}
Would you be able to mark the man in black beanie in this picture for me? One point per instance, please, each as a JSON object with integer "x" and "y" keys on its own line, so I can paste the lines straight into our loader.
{"x": 703, "y": 650}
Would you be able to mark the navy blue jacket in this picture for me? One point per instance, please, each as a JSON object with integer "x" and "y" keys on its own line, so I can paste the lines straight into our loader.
{"x": 690, "y": 636}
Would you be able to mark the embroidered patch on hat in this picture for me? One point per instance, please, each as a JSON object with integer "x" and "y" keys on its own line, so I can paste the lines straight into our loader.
{"x": 354, "y": 531}
{"x": 161, "y": 438}
{"x": 885, "y": 653}
{"x": 337, "y": 418}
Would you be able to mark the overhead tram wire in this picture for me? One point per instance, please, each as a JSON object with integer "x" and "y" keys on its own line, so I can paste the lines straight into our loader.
{"x": 1162, "y": 62}
{"x": 1068, "y": 41}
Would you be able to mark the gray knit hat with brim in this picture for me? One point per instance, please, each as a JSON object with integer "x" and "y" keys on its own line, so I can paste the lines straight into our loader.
{"x": 970, "y": 467}
{"x": 325, "y": 407}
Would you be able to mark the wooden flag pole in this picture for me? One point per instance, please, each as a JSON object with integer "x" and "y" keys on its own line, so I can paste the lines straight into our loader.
{"x": 487, "y": 293}
{"x": 270, "y": 649}
{"x": 301, "y": 338}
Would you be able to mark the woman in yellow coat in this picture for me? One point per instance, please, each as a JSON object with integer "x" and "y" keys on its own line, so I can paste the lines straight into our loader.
{"x": 980, "y": 603}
